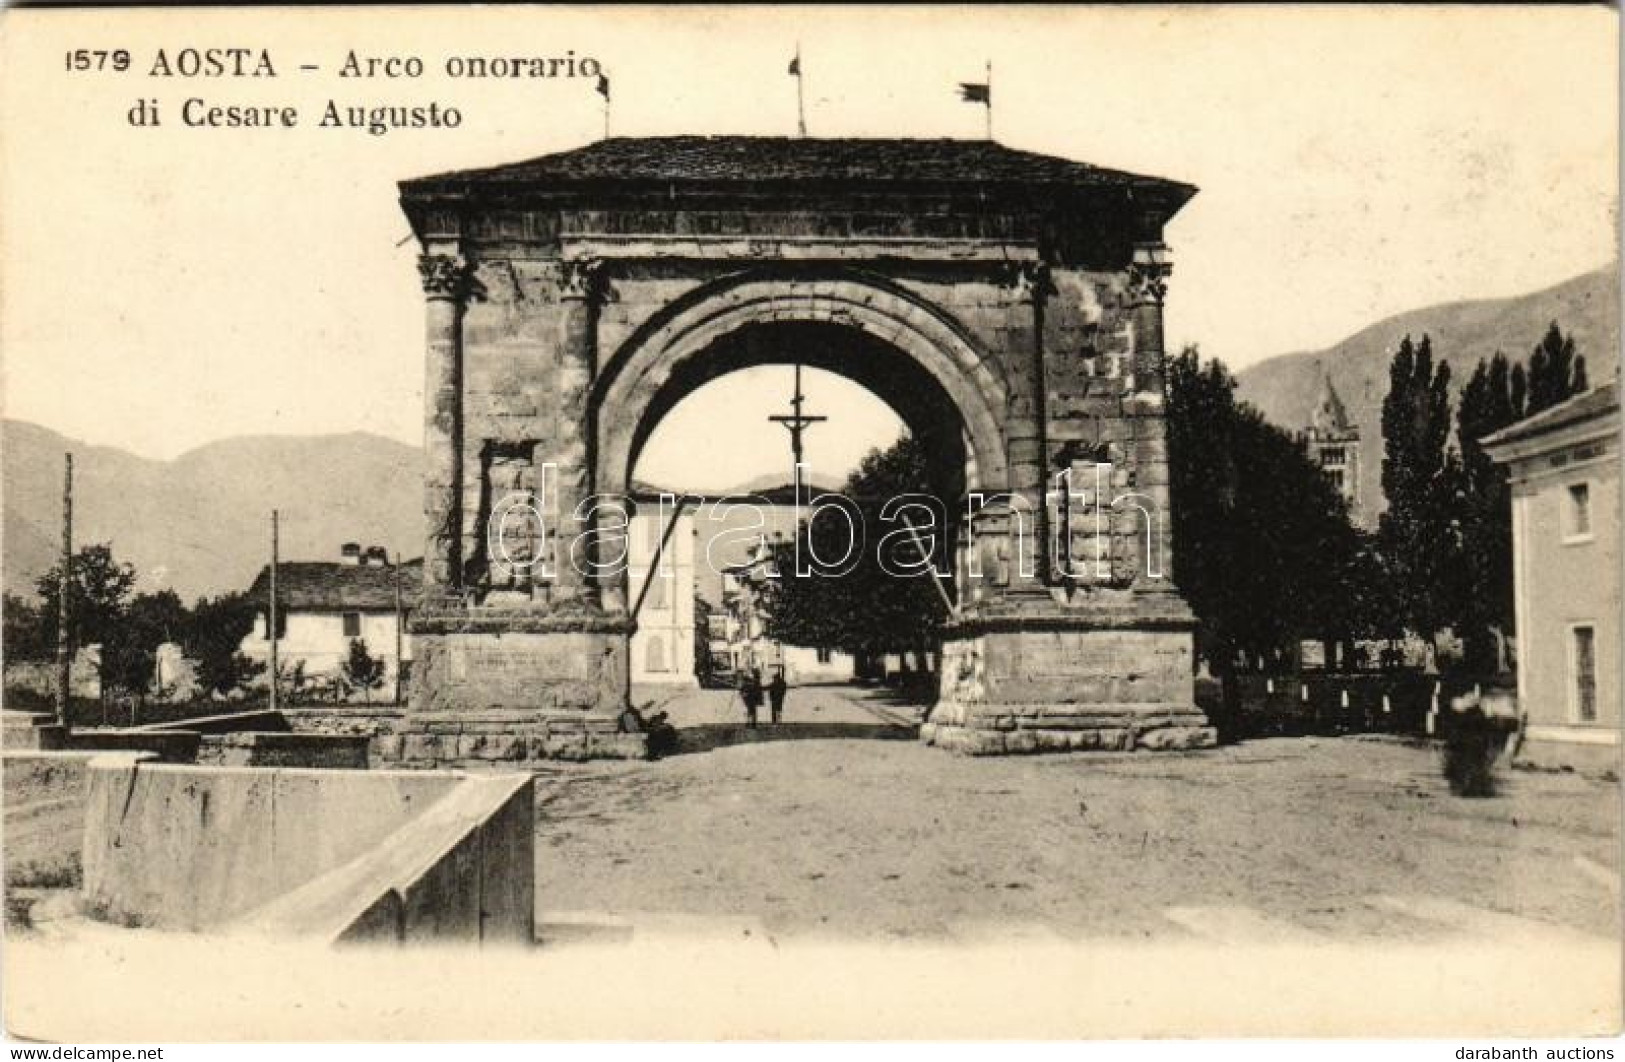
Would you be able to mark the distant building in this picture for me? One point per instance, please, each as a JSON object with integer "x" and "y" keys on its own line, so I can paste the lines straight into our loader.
{"x": 325, "y": 605}
{"x": 1564, "y": 466}
{"x": 663, "y": 647}
{"x": 745, "y": 644}
{"x": 1332, "y": 441}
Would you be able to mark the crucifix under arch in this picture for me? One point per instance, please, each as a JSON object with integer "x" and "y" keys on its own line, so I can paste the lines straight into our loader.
{"x": 796, "y": 422}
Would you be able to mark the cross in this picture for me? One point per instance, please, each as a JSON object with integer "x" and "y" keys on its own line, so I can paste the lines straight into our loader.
{"x": 796, "y": 423}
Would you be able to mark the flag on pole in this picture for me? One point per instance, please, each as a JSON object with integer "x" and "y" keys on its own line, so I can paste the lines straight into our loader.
{"x": 981, "y": 92}
{"x": 795, "y": 66}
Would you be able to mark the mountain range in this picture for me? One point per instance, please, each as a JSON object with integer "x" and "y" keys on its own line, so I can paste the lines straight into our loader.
{"x": 1285, "y": 388}
{"x": 200, "y": 524}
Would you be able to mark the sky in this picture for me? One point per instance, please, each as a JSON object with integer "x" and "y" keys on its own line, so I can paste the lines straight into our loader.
{"x": 164, "y": 287}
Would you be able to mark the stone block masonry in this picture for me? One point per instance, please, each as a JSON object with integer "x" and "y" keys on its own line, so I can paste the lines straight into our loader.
{"x": 1007, "y": 305}
{"x": 507, "y": 739}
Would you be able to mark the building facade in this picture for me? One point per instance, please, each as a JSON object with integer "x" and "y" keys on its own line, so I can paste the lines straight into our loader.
{"x": 661, "y": 541}
{"x": 1564, "y": 467}
{"x": 746, "y": 644}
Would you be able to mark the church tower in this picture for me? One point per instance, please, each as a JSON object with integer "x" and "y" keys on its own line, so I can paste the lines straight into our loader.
{"x": 1333, "y": 442}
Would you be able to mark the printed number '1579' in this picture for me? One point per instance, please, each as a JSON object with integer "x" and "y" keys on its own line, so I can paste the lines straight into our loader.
{"x": 98, "y": 59}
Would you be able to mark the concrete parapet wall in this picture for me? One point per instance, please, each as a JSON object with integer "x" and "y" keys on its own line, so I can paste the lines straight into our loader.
{"x": 377, "y": 725}
{"x": 45, "y": 799}
{"x": 170, "y": 746}
{"x": 30, "y": 730}
{"x": 462, "y": 870}
{"x": 262, "y": 721}
{"x": 332, "y": 751}
{"x": 194, "y": 848}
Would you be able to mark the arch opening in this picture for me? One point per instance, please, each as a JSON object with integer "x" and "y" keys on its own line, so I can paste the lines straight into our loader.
{"x": 927, "y": 413}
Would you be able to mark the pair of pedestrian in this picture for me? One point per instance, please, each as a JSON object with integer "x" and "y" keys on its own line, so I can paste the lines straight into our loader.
{"x": 751, "y": 692}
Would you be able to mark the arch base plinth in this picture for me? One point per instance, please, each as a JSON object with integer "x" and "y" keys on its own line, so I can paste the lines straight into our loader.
{"x": 1047, "y": 681}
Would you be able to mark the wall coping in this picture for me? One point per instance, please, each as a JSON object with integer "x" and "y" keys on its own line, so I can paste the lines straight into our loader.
{"x": 346, "y": 896}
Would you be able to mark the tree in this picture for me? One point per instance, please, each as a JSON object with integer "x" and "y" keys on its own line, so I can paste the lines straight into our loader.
{"x": 1556, "y": 371}
{"x": 1263, "y": 548}
{"x": 704, "y": 667}
{"x": 130, "y": 650}
{"x": 96, "y": 595}
{"x": 362, "y": 670}
{"x": 1497, "y": 395}
{"x": 867, "y": 610}
{"x": 1421, "y": 532}
{"x": 29, "y": 633}
{"x": 1489, "y": 402}
{"x": 213, "y": 639}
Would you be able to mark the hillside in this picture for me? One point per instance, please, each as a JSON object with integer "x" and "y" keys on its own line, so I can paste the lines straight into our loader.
{"x": 201, "y": 523}
{"x": 1285, "y": 388}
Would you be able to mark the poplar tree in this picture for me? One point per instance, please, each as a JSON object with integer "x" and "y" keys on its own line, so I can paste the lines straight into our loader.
{"x": 1420, "y": 533}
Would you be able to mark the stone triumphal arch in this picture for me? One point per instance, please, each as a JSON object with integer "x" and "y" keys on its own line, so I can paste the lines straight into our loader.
{"x": 1007, "y": 304}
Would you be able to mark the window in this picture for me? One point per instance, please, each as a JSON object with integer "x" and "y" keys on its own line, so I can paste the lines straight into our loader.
{"x": 1578, "y": 517}
{"x": 1332, "y": 457}
{"x": 352, "y": 624}
{"x": 1584, "y": 664}
{"x": 824, "y": 656}
{"x": 654, "y": 655}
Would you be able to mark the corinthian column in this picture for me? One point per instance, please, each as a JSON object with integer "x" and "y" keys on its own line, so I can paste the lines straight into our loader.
{"x": 1147, "y": 287}
{"x": 1025, "y": 435}
{"x": 570, "y": 479}
{"x": 445, "y": 286}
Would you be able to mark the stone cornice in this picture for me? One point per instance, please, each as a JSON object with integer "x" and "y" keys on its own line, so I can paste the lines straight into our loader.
{"x": 652, "y": 247}
{"x": 519, "y": 621}
{"x": 1144, "y": 611}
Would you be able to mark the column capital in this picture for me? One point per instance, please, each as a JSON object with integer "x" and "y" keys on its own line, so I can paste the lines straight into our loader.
{"x": 581, "y": 279}
{"x": 447, "y": 276}
{"x": 1148, "y": 274}
{"x": 1030, "y": 280}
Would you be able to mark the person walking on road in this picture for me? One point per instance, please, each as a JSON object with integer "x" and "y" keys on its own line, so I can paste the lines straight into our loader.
{"x": 775, "y": 694}
{"x": 750, "y": 691}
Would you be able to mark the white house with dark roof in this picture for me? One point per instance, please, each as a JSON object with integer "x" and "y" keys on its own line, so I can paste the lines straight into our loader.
{"x": 325, "y": 605}
{"x": 1564, "y": 467}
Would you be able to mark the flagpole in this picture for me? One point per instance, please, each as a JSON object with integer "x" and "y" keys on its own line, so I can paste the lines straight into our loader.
{"x": 603, "y": 90}
{"x": 801, "y": 106}
{"x": 989, "y": 116}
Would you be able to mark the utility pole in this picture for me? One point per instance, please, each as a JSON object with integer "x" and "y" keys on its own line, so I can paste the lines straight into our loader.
{"x": 271, "y": 630}
{"x": 64, "y": 648}
{"x": 796, "y": 423}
